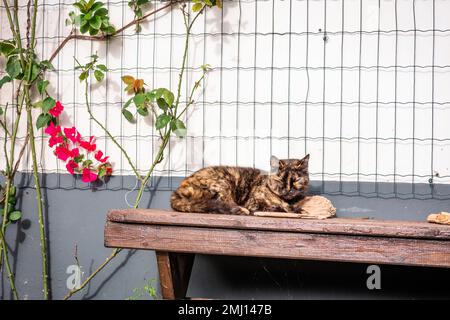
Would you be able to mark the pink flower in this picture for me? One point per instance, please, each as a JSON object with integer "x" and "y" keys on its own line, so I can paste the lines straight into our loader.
{"x": 52, "y": 130}
{"x": 72, "y": 134}
{"x": 89, "y": 146}
{"x": 56, "y": 110}
{"x": 88, "y": 176}
{"x": 55, "y": 140}
{"x": 62, "y": 152}
{"x": 75, "y": 152}
{"x": 71, "y": 165}
{"x": 99, "y": 155}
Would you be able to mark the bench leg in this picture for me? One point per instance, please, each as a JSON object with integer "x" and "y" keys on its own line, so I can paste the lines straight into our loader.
{"x": 174, "y": 273}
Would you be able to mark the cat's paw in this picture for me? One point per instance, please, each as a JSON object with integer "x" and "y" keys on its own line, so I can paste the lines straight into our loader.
{"x": 240, "y": 211}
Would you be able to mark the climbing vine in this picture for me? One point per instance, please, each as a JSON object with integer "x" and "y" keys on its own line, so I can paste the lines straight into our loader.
{"x": 27, "y": 72}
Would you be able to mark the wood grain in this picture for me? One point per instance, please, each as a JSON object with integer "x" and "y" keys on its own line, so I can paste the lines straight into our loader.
{"x": 174, "y": 273}
{"x": 344, "y": 226}
{"x": 291, "y": 245}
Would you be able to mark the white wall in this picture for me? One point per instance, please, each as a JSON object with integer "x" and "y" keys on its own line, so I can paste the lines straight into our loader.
{"x": 281, "y": 108}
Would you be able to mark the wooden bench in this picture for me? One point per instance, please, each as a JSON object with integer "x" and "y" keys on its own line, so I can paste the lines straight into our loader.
{"x": 177, "y": 237}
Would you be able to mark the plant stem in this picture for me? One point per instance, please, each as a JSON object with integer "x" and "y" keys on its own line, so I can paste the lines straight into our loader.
{"x": 8, "y": 267}
{"x": 15, "y": 29}
{"x": 72, "y": 35}
{"x": 116, "y": 251}
{"x": 93, "y": 274}
{"x": 43, "y": 242}
{"x": 5, "y": 253}
{"x": 27, "y": 87}
{"x": 88, "y": 106}
{"x": 159, "y": 156}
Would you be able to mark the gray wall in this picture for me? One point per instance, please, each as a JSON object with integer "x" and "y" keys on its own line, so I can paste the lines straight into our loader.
{"x": 76, "y": 217}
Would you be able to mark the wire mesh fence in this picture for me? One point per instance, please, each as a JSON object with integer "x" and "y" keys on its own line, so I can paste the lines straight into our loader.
{"x": 363, "y": 86}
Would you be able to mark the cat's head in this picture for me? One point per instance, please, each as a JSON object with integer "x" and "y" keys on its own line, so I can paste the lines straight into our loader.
{"x": 289, "y": 178}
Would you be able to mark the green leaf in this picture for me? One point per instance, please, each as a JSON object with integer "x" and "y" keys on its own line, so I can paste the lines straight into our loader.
{"x": 99, "y": 75}
{"x": 159, "y": 92}
{"x": 151, "y": 95}
{"x": 4, "y": 80}
{"x": 162, "y": 104}
{"x": 95, "y": 22}
{"x": 128, "y": 115}
{"x": 109, "y": 30}
{"x": 102, "y": 67}
{"x": 15, "y": 215}
{"x": 13, "y": 67}
{"x": 169, "y": 97}
{"x": 43, "y": 120}
{"x": 47, "y": 65}
{"x": 197, "y": 7}
{"x": 6, "y": 47}
{"x": 96, "y": 6}
{"x": 79, "y": 6}
{"x": 84, "y": 75}
{"x": 1, "y": 111}
{"x": 42, "y": 85}
{"x": 143, "y": 111}
{"x": 162, "y": 120}
{"x": 35, "y": 70}
{"x": 102, "y": 12}
{"x": 139, "y": 99}
{"x": 178, "y": 128}
{"x": 138, "y": 13}
{"x": 47, "y": 104}
{"x": 12, "y": 201}
{"x": 84, "y": 28}
{"x": 127, "y": 104}
{"x": 93, "y": 31}
{"x": 101, "y": 172}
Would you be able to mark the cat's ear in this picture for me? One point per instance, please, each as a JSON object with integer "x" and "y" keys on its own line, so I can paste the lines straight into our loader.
{"x": 304, "y": 162}
{"x": 274, "y": 164}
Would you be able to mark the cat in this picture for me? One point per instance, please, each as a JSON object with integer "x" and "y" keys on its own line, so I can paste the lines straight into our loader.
{"x": 242, "y": 191}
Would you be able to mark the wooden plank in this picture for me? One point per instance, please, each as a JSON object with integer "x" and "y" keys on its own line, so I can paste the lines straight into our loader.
{"x": 165, "y": 275}
{"x": 174, "y": 273}
{"x": 383, "y": 228}
{"x": 291, "y": 245}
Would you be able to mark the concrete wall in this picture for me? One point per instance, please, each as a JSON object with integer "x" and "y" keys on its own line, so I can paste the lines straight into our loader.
{"x": 76, "y": 218}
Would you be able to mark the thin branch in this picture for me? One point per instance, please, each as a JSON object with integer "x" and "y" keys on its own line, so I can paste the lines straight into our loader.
{"x": 125, "y": 153}
{"x": 88, "y": 279}
{"x": 21, "y": 153}
{"x": 104, "y": 37}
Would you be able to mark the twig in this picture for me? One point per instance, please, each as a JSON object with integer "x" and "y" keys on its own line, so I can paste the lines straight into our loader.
{"x": 21, "y": 153}
{"x": 125, "y": 153}
{"x": 103, "y": 37}
{"x": 88, "y": 279}
{"x": 27, "y": 87}
{"x": 8, "y": 267}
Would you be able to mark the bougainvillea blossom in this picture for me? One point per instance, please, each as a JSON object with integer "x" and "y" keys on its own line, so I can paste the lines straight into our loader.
{"x": 67, "y": 143}
{"x": 56, "y": 110}
{"x": 88, "y": 175}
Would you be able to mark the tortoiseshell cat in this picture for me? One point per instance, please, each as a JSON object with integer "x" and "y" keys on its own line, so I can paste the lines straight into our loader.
{"x": 236, "y": 190}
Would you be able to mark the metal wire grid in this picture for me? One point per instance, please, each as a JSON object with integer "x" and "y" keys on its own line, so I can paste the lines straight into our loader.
{"x": 123, "y": 182}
